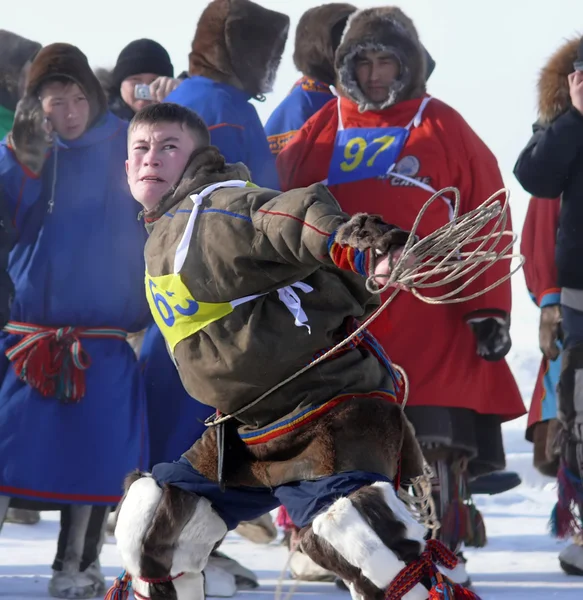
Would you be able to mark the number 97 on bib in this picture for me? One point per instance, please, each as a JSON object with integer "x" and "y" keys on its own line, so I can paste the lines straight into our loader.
{"x": 365, "y": 153}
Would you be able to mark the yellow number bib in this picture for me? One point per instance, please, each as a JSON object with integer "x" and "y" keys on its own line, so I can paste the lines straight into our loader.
{"x": 176, "y": 312}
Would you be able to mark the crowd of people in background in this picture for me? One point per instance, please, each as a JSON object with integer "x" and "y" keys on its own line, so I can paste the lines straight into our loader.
{"x": 84, "y": 350}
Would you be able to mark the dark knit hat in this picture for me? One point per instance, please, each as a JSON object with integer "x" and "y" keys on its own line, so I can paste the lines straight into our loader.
{"x": 142, "y": 56}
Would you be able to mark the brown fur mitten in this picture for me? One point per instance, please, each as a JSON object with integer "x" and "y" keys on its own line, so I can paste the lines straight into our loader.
{"x": 29, "y": 137}
{"x": 364, "y": 231}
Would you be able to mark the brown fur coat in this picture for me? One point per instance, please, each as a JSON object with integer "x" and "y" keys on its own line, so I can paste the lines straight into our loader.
{"x": 318, "y": 34}
{"x": 240, "y": 43}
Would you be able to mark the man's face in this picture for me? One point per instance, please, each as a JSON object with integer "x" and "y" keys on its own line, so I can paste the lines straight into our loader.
{"x": 66, "y": 107}
{"x": 375, "y": 72}
{"x": 128, "y": 90}
{"x": 157, "y": 156}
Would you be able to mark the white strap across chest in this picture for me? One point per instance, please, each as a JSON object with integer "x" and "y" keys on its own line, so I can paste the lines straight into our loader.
{"x": 287, "y": 294}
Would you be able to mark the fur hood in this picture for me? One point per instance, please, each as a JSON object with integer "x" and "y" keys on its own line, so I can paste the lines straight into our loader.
{"x": 553, "y": 85}
{"x": 65, "y": 60}
{"x": 15, "y": 51}
{"x": 318, "y": 34}
{"x": 387, "y": 29}
{"x": 239, "y": 43}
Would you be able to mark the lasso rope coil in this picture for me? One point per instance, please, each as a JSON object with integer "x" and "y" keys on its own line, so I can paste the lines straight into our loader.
{"x": 445, "y": 256}
{"x": 439, "y": 259}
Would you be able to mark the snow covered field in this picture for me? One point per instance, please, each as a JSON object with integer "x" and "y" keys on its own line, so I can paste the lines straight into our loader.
{"x": 520, "y": 561}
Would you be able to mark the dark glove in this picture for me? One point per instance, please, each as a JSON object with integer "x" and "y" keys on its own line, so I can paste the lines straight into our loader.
{"x": 492, "y": 337}
{"x": 31, "y": 135}
{"x": 364, "y": 231}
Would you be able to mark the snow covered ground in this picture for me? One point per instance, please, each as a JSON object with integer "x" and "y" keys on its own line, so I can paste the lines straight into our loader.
{"x": 520, "y": 561}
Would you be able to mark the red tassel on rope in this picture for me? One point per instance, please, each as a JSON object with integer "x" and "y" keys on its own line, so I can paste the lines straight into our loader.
{"x": 120, "y": 590}
{"x": 283, "y": 519}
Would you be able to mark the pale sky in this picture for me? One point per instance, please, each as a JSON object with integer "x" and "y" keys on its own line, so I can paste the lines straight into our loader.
{"x": 488, "y": 57}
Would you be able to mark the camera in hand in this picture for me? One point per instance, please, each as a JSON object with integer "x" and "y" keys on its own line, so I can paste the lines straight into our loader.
{"x": 142, "y": 92}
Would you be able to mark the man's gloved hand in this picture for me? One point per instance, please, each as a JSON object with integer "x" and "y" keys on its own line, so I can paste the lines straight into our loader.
{"x": 364, "y": 231}
{"x": 492, "y": 337}
{"x": 548, "y": 331}
{"x": 31, "y": 134}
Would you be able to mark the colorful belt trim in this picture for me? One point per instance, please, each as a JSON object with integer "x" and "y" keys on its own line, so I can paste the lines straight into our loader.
{"x": 309, "y": 414}
{"x": 367, "y": 340}
{"x": 52, "y": 360}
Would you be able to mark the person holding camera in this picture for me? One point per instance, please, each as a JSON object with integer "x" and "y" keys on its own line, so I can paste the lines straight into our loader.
{"x": 551, "y": 166}
{"x": 143, "y": 74}
{"x": 67, "y": 373}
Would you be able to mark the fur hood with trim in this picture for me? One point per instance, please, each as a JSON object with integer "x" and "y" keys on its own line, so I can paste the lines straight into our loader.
{"x": 553, "y": 85}
{"x": 240, "y": 43}
{"x": 318, "y": 34}
{"x": 386, "y": 29}
{"x": 15, "y": 51}
{"x": 66, "y": 60}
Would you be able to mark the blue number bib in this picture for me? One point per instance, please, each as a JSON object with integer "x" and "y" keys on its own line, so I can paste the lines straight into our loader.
{"x": 365, "y": 153}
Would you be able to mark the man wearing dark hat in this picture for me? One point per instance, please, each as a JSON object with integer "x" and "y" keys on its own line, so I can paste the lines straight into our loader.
{"x": 142, "y": 74}
{"x": 551, "y": 166}
{"x": 67, "y": 373}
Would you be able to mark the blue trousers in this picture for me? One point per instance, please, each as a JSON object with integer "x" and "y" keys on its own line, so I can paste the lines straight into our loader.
{"x": 304, "y": 500}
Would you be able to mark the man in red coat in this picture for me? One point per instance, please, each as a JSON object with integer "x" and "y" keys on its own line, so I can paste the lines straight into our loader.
{"x": 384, "y": 146}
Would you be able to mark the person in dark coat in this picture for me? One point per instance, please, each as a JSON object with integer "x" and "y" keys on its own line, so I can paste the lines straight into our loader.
{"x": 551, "y": 166}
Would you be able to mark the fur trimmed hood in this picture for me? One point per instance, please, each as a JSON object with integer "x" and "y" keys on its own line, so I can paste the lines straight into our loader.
{"x": 382, "y": 29}
{"x": 239, "y": 43}
{"x": 318, "y": 34}
{"x": 65, "y": 60}
{"x": 553, "y": 85}
{"x": 15, "y": 51}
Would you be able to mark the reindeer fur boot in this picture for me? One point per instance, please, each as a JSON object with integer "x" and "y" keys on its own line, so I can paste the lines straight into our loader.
{"x": 165, "y": 536}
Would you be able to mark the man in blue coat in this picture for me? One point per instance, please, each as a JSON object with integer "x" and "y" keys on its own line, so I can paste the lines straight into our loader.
{"x": 318, "y": 34}
{"x": 72, "y": 407}
{"x": 235, "y": 54}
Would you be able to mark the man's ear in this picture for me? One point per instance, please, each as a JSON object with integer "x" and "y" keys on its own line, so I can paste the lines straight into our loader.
{"x": 127, "y": 167}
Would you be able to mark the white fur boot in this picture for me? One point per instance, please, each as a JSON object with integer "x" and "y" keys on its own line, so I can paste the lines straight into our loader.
{"x": 571, "y": 558}
{"x": 353, "y": 527}
{"x": 165, "y": 536}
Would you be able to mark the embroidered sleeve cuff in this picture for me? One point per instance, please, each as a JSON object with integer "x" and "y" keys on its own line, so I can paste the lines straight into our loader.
{"x": 348, "y": 258}
{"x": 550, "y": 297}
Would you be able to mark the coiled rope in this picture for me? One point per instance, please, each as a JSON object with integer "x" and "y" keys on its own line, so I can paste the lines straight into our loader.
{"x": 458, "y": 250}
